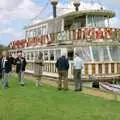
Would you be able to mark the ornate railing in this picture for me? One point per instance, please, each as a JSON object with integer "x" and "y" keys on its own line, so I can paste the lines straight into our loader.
{"x": 96, "y": 69}
{"x": 82, "y": 34}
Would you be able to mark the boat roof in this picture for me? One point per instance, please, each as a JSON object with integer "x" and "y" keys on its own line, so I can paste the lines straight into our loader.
{"x": 105, "y": 13}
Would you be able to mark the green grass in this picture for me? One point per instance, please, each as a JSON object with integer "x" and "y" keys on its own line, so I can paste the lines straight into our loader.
{"x": 46, "y": 103}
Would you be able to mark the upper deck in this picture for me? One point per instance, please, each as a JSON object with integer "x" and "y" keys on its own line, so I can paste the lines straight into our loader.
{"x": 85, "y": 26}
{"x": 72, "y": 20}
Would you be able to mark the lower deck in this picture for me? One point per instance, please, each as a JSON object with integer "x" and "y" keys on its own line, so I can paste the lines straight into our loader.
{"x": 91, "y": 71}
{"x": 101, "y": 60}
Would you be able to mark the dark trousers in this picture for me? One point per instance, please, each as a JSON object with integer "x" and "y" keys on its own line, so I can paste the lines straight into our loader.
{"x": 63, "y": 75}
{"x": 21, "y": 77}
{"x": 5, "y": 77}
{"x": 77, "y": 78}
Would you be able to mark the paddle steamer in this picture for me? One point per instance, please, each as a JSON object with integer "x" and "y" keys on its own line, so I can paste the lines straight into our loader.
{"x": 87, "y": 32}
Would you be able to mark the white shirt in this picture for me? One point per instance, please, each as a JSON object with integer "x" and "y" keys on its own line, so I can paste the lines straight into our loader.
{"x": 78, "y": 63}
{"x": 3, "y": 62}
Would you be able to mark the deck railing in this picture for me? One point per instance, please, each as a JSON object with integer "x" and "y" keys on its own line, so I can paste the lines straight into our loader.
{"x": 96, "y": 69}
{"x": 83, "y": 34}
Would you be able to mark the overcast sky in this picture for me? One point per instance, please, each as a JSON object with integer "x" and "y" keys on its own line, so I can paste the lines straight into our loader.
{"x": 15, "y": 14}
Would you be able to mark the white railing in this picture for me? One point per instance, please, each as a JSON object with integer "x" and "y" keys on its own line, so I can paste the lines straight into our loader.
{"x": 96, "y": 69}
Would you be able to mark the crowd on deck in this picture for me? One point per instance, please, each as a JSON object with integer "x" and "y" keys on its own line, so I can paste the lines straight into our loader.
{"x": 62, "y": 65}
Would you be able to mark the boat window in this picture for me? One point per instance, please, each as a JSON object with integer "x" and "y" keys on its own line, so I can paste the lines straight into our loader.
{"x": 40, "y": 55}
{"x": 25, "y": 55}
{"x": 44, "y": 29}
{"x": 52, "y": 55}
{"x": 36, "y": 55}
{"x": 100, "y": 53}
{"x": 45, "y": 55}
{"x": 28, "y": 56}
{"x": 84, "y": 53}
{"x": 115, "y": 53}
{"x": 32, "y": 55}
{"x": 39, "y": 31}
{"x": 70, "y": 55}
{"x": 95, "y": 21}
{"x": 58, "y": 53}
{"x": 31, "y": 33}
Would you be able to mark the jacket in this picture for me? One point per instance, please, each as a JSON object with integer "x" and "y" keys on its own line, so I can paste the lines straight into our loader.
{"x": 62, "y": 63}
{"x": 7, "y": 66}
{"x": 20, "y": 64}
{"x": 12, "y": 62}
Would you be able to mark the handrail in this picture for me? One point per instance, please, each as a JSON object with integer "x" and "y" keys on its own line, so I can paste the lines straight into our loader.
{"x": 80, "y": 34}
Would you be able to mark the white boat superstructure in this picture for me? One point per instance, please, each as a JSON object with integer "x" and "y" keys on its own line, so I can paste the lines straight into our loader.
{"x": 84, "y": 32}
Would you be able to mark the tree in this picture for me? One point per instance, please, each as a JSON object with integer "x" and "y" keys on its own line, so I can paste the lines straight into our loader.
{"x": 2, "y": 48}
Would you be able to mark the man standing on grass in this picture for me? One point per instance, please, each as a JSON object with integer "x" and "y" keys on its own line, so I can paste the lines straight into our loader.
{"x": 20, "y": 67}
{"x": 5, "y": 68}
{"x": 38, "y": 69}
{"x": 78, "y": 66}
{"x": 62, "y": 65}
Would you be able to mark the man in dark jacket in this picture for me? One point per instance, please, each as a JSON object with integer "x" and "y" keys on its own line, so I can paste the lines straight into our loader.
{"x": 12, "y": 61}
{"x": 62, "y": 65}
{"x": 20, "y": 67}
{"x": 5, "y": 68}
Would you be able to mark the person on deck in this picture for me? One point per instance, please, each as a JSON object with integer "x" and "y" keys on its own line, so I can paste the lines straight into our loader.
{"x": 20, "y": 67}
{"x": 62, "y": 65}
{"x": 78, "y": 65}
{"x": 5, "y": 68}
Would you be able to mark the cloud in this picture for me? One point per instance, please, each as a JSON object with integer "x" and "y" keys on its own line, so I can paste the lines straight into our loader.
{"x": 13, "y": 10}
{"x": 6, "y": 31}
{"x": 18, "y": 9}
{"x": 70, "y": 7}
{"x": 14, "y": 34}
{"x": 25, "y": 10}
{"x": 115, "y": 22}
